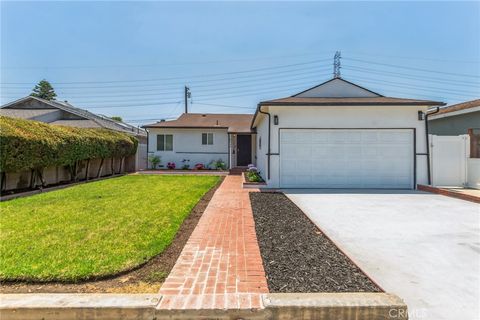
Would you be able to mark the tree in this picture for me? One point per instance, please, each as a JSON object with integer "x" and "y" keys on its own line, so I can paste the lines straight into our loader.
{"x": 44, "y": 90}
{"x": 116, "y": 118}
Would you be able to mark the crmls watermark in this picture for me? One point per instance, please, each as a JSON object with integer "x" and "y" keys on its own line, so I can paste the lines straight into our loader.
{"x": 410, "y": 314}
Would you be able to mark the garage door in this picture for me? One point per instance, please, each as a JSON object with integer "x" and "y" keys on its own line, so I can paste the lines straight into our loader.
{"x": 346, "y": 158}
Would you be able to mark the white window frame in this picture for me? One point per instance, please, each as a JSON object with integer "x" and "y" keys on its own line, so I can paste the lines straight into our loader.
{"x": 209, "y": 139}
{"x": 164, "y": 142}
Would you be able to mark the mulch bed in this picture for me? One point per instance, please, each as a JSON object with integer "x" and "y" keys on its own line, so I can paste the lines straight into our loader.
{"x": 297, "y": 256}
{"x": 147, "y": 278}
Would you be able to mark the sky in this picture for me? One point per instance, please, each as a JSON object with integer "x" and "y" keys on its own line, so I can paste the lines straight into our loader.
{"x": 133, "y": 59}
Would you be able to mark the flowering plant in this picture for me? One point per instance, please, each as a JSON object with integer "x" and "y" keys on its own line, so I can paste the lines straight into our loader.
{"x": 199, "y": 166}
{"x": 252, "y": 174}
{"x": 185, "y": 165}
{"x": 171, "y": 165}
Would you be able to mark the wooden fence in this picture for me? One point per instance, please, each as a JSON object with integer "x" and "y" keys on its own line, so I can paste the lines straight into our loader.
{"x": 474, "y": 143}
{"x": 85, "y": 170}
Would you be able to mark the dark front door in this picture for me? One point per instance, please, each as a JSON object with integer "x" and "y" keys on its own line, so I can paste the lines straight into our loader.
{"x": 244, "y": 150}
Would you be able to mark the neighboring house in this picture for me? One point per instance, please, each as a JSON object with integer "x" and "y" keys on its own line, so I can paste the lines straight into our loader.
{"x": 203, "y": 138}
{"x": 456, "y": 119}
{"x": 459, "y": 119}
{"x": 62, "y": 113}
{"x": 334, "y": 135}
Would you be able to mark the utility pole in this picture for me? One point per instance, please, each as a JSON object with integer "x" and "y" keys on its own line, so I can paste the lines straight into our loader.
{"x": 336, "y": 64}
{"x": 188, "y": 94}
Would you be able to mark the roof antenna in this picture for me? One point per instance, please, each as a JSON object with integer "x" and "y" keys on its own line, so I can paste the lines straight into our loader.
{"x": 336, "y": 64}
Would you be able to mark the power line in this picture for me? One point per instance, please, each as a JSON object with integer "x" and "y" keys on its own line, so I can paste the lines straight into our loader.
{"x": 224, "y": 92}
{"x": 229, "y": 92}
{"x": 222, "y": 80}
{"x": 250, "y": 83}
{"x": 183, "y": 77}
{"x": 409, "y": 76}
{"x": 164, "y": 64}
{"x": 416, "y": 88}
{"x": 210, "y": 97}
{"x": 419, "y": 86}
{"x": 411, "y": 68}
{"x": 221, "y": 105}
{"x": 134, "y": 105}
{"x": 413, "y": 58}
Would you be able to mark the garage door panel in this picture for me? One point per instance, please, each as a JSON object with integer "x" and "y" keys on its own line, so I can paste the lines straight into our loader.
{"x": 369, "y": 136}
{"x": 346, "y": 158}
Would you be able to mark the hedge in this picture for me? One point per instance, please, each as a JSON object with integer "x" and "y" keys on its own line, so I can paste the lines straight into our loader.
{"x": 33, "y": 145}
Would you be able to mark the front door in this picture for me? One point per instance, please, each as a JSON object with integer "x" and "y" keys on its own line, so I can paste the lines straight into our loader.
{"x": 244, "y": 150}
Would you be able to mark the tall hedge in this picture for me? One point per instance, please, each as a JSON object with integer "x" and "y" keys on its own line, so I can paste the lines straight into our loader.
{"x": 27, "y": 144}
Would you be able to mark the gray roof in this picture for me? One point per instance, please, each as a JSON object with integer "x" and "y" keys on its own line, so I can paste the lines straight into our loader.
{"x": 101, "y": 120}
{"x": 76, "y": 123}
{"x": 25, "y": 113}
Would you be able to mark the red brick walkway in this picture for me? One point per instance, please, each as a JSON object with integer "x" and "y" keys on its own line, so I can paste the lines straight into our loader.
{"x": 220, "y": 266}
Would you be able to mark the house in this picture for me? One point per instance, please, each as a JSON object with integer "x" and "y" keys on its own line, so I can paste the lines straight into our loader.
{"x": 204, "y": 138}
{"x": 334, "y": 135}
{"x": 456, "y": 119}
{"x": 62, "y": 113}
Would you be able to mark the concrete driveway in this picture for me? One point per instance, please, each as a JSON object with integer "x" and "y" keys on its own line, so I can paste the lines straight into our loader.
{"x": 423, "y": 247}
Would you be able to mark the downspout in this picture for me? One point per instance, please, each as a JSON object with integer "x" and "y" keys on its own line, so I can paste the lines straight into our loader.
{"x": 148, "y": 142}
{"x": 269, "y": 126}
{"x": 428, "y": 144}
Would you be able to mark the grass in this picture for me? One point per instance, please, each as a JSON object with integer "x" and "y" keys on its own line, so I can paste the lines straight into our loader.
{"x": 95, "y": 229}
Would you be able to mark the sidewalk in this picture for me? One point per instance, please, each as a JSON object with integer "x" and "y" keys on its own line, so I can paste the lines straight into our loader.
{"x": 220, "y": 266}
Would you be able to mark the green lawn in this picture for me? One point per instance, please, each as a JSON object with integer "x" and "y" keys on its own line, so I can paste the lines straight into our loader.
{"x": 94, "y": 229}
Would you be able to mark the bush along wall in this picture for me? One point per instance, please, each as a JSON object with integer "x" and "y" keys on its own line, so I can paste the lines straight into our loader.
{"x": 34, "y": 146}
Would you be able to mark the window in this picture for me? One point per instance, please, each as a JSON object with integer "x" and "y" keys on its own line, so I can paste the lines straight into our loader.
{"x": 207, "y": 138}
{"x": 164, "y": 142}
{"x": 259, "y": 143}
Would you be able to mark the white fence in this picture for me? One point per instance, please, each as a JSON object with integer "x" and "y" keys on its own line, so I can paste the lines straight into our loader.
{"x": 451, "y": 165}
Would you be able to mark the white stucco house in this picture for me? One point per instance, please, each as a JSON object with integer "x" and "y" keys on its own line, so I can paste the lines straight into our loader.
{"x": 203, "y": 138}
{"x": 334, "y": 135}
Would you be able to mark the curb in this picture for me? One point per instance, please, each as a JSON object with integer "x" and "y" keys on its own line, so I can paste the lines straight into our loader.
{"x": 358, "y": 306}
{"x": 285, "y": 306}
{"x": 77, "y": 306}
{"x": 448, "y": 193}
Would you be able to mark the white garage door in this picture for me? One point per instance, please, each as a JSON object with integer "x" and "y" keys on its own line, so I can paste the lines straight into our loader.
{"x": 346, "y": 158}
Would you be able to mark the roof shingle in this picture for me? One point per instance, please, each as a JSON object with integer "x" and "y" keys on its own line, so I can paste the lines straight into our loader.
{"x": 460, "y": 106}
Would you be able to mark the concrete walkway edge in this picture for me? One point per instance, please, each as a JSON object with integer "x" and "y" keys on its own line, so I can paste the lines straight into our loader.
{"x": 360, "y": 306}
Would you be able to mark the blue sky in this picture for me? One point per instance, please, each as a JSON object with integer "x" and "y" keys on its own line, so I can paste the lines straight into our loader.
{"x": 133, "y": 58}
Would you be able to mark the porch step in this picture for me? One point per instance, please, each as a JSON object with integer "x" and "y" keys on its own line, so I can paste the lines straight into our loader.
{"x": 237, "y": 170}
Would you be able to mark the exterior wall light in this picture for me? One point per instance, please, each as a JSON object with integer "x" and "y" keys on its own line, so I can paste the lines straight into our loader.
{"x": 421, "y": 116}
{"x": 275, "y": 120}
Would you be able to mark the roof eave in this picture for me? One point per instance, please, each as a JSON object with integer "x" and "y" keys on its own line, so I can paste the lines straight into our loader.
{"x": 345, "y": 104}
{"x": 183, "y": 127}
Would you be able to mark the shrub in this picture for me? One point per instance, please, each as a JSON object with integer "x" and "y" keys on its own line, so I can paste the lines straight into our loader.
{"x": 218, "y": 164}
{"x": 199, "y": 166}
{"x": 28, "y": 145}
{"x": 171, "y": 165}
{"x": 154, "y": 160}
